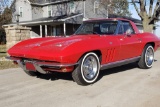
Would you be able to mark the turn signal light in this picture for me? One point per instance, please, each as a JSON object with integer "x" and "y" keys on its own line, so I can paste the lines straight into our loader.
{"x": 67, "y": 69}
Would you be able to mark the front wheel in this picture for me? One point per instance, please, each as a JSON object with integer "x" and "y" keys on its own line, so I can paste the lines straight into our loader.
{"x": 147, "y": 57}
{"x": 88, "y": 69}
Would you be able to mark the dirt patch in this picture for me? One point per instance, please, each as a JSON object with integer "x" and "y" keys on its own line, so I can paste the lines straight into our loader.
{"x": 5, "y": 63}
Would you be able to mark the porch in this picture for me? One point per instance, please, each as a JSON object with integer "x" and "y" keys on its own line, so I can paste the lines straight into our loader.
{"x": 64, "y": 25}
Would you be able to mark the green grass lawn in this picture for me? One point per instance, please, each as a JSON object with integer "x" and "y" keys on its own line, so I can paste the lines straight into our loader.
{"x": 5, "y": 64}
{"x": 3, "y": 51}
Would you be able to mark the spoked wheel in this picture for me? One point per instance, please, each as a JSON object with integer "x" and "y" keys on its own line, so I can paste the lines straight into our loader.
{"x": 147, "y": 57}
{"x": 88, "y": 69}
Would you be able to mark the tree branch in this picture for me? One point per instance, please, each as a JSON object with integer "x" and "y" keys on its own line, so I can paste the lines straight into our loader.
{"x": 155, "y": 11}
{"x": 157, "y": 14}
{"x": 142, "y": 5}
{"x": 150, "y": 8}
{"x": 137, "y": 9}
{"x": 143, "y": 8}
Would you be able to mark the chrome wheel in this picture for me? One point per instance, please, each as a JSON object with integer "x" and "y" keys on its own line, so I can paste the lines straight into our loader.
{"x": 149, "y": 56}
{"x": 90, "y": 67}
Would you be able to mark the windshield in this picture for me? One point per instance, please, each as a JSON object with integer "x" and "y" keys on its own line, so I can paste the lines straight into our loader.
{"x": 102, "y": 28}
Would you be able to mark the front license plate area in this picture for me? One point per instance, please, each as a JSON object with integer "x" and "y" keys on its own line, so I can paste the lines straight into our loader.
{"x": 30, "y": 66}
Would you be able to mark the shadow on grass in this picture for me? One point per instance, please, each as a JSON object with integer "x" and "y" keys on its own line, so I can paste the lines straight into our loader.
{"x": 3, "y": 52}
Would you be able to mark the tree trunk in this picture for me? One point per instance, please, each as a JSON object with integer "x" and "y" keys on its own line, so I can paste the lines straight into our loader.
{"x": 146, "y": 26}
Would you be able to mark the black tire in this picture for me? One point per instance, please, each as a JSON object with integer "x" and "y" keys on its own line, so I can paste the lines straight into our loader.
{"x": 147, "y": 57}
{"x": 32, "y": 73}
{"x": 88, "y": 69}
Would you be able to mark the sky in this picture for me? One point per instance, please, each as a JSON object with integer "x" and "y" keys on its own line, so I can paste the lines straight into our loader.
{"x": 135, "y": 15}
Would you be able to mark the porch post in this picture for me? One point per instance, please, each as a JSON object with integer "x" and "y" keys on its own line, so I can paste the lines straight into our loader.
{"x": 54, "y": 31}
{"x": 40, "y": 30}
{"x": 84, "y": 9}
{"x": 46, "y": 34}
{"x": 64, "y": 28}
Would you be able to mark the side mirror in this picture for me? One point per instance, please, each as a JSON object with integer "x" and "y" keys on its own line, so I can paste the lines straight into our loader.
{"x": 128, "y": 32}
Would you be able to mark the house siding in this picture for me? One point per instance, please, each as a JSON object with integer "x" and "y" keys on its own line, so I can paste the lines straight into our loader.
{"x": 26, "y": 7}
{"x": 37, "y": 12}
{"x": 90, "y": 12}
{"x": 45, "y": 11}
{"x": 63, "y": 9}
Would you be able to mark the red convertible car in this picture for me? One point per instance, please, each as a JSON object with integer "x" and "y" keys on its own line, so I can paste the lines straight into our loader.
{"x": 98, "y": 44}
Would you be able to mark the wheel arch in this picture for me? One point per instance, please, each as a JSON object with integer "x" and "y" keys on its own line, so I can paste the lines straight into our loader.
{"x": 151, "y": 43}
{"x": 97, "y": 52}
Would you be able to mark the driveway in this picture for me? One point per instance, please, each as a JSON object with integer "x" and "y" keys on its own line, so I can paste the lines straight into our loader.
{"x": 125, "y": 86}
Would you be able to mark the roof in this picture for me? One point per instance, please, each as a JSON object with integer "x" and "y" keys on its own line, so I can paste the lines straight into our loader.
{"x": 73, "y": 18}
{"x": 114, "y": 19}
{"x": 49, "y": 1}
{"x": 45, "y": 2}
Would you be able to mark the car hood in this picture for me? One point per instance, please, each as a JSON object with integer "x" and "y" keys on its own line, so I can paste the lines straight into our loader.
{"x": 45, "y": 47}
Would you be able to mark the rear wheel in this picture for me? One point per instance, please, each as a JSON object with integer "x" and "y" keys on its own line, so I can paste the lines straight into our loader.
{"x": 88, "y": 69}
{"x": 147, "y": 57}
{"x": 32, "y": 73}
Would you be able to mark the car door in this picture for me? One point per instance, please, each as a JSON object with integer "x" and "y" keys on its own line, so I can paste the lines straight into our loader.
{"x": 129, "y": 43}
{"x": 112, "y": 45}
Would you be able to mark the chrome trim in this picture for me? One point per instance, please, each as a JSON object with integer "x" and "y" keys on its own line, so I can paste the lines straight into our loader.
{"x": 38, "y": 64}
{"x": 120, "y": 63}
{"x": 50, "y": 64}
{"x": 21, "y": 64}
{"x": 39, "y": 69}
{"x": 12, "y": 58}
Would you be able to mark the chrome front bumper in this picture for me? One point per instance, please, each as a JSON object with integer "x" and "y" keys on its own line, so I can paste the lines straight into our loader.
{"x": 39, "y": 64}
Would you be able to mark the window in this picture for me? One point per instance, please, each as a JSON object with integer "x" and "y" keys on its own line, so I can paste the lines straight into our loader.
{"x": 125, "y": 26}
{"x": 20, "y": 11}
{"x": 98, "y": 27}
{"x": 121, "y": 31}
{"x": 96, "y": 6}
{"x": 49, "y": 11}
{"x": 108, "y": 27}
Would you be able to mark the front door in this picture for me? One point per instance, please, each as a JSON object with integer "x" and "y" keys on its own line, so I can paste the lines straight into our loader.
{"x": 130, "y": 43}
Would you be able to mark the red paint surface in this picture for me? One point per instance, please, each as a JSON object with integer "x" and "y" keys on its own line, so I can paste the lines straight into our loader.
{"x": 30, "y": 66}
{"x": 71, "y": 49}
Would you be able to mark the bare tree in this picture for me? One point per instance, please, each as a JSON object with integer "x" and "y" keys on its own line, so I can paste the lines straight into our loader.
{"x": 4, "y": 4}
{"x": 117, "y": 7}
{"x": 149, "y": 12}
{"x": 5, "y": 17}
